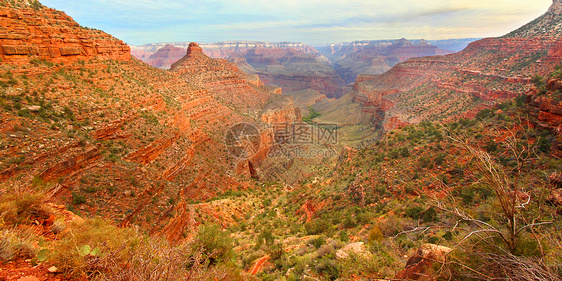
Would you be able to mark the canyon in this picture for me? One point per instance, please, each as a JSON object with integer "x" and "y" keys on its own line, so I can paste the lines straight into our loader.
{"x": 459, "y": 85}
{"x": 77, "y": 105}
{"x": 299, "y": 67}
{"x": 375, "y": 57}
{"x": 194, "y": 161}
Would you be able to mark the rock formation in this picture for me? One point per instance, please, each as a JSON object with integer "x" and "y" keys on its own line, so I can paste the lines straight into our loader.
{"x": 47, "y": 34}
{"x": 294, "y": 70}
{"x": 419, "y": 265}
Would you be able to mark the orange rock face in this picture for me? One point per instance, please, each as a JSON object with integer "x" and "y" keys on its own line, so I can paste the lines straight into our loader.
{"x": 51, "y": 35}
{"x": 549, "y": 105}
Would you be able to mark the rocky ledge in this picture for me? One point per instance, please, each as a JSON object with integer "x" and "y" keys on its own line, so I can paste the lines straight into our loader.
{"x": 46, "y": 34}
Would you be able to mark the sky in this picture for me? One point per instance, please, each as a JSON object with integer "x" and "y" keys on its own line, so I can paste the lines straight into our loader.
{"x": 309, "y": 21}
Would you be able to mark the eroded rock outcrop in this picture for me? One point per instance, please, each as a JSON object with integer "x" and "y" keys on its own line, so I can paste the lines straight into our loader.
{"x": 47, "y": 34}
{"x": 549, "y": 105}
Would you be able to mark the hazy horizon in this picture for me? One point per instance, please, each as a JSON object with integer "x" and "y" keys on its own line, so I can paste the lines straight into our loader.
{"x": 306, "y": 21}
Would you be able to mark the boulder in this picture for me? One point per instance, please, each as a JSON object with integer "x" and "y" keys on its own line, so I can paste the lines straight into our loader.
{"x": 420, "y": 264}
{"x": 357, "y": 248}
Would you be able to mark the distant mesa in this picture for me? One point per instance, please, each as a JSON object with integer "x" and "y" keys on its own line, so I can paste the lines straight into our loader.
{"x": 165, "y": 56}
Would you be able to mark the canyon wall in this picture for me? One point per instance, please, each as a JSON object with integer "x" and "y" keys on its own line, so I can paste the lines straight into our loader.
{"x": 164, "y": 57}
{"x": 459, "y": 85}
{"x": 375, "y": 57}
{"x": 48, "y": 34}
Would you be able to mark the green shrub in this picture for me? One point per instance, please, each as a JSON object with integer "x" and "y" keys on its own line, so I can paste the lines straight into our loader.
{"x": 414, "y": 212}
{"x": 78, "y": 198}
{"x": 328, "y": 268}
{"x": 214, "y": 243}
{"x": 75, "y": 251}
{"x": 375, "y": 234}
{"x": 317, "y": 242}
{"x": 317, "y": 226}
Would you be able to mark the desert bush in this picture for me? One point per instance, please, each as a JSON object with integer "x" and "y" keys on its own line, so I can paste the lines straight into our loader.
{"x": 317, "y": 241}
{"x": 317, "y": 226}
{"x": 103, "y": 239}
{"x": 378, "y": 265}
{"x": 78, "y": 198}
{"x": 326, "y": 250}
{"x": 328, "y": 268}
{"x": 15, "y": 243}
{"x": 483, "y": 261}
{"x": 23, "y": 208}
{"x": 375, "y": 234}
{"x": 395, "y": 224}
{"x": 155, "y": 259}
{"x": 215, "y": 244}
{"x": 503, "y": 239}
{"x": 276, "y": 251}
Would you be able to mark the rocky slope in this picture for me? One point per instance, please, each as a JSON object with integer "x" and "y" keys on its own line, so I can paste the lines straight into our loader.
{"x": 45, "y": 34}
{"x": 108, "y": 135}
{"x": 547, "y": 108}
{"x": 456, "y": 85}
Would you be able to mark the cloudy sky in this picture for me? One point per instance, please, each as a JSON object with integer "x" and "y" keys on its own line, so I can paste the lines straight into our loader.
{"x": 310, "y": 21}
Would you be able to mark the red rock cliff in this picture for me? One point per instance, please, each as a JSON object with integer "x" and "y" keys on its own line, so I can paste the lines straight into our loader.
{"x": 48, "y": 34}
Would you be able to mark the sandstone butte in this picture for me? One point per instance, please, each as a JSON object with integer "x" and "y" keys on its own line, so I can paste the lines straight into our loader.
{"x": 112, "y": 136}
{"x": 460, "y": 84}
